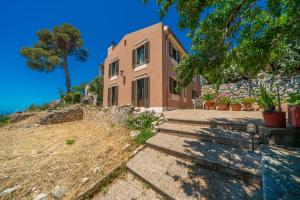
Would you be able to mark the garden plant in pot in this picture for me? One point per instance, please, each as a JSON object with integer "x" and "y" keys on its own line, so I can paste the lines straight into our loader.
{"x": 235, "y": 104}
{"x": 272, "y": 118}
{"x": 247, "y": 102}
{"x": 223, "y": 101}
{"x": 294, "y": 109}
{"x": 209, "y": 100}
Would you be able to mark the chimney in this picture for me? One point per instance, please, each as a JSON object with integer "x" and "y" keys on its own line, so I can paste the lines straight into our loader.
{"x": 110, "y": 48}
{"x": 101, "y": 70}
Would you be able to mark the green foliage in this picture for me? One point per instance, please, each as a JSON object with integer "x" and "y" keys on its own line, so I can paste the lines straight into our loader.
{"x": 4, "y": 121}
{"x": 247, "y": 100}
{"x": 70, "y": 141}
{"x": 266, "y": 100}
{"x": 96, "y": 87}
{"x": 233, "y": 40}
{"x": 294, "y": 99}
{"x": 208, "y": 97}
{"x": 235, "y": 101}
{"x": 142, "y": 121}
{"x": 37, "y": 108}
{"x": 143, "y": 136}
{"x": 71, "y": 97}
{"x": 79, "y": 89}
{"x": 223, "y": 99}
{"x": 53, "y": 49}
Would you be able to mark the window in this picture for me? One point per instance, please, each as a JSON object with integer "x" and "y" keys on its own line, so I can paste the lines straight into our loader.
{"x": 114, "y": 68}
{"x": 174, "y": 53}
{"x": 125, "y": 42}
{"x": 113, "y": 96}
{"x": 194, "y": 94}
{"x": 173, "y": 86}
{"x": 140, "y": 92}
{"x": 140, "y": 55}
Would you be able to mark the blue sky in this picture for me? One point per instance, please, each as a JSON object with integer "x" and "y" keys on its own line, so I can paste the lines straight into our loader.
{"x": 100, "y": 23}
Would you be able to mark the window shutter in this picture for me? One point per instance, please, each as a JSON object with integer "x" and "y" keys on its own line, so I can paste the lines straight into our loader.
{"x": 116, "y": 95}
{"x": 133, "y": 93}
{"x": 117, "y": 66}
{"x": 170, "y": 84}
{"x": 147, "y": 52}
{"x": 133, "y": 58}
{"x": 147, "y": 92}
{"x": 109, "y": 70}
{"x": 109, "y": 94}
{"x": 170, "y": 49}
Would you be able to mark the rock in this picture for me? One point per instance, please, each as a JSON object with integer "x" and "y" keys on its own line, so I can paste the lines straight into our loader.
{"x": 97, "y": 170}
{"x": 58, "y": 191}
{"x": 134, "y": 134}
{"x": 8, "y": 191}
{"x": 84, "y": 180}
{"x": 126, "y": 146}
{"x": 155, "y": 123}
{"x": 42, "y": 196}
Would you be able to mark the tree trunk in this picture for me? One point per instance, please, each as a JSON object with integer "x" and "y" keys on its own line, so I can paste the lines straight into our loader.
{"x": 67, "y": 74}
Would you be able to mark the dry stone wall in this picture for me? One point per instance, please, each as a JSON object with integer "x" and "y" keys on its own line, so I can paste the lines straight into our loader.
{"x": 66, "y": 115}
{"x": 248, "y": 88}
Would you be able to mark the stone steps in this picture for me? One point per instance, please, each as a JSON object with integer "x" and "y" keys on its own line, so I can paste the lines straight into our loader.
{"x": 236, "y": 162}
{"x": 175, "y": 178}
{"x": 206, "y": 133}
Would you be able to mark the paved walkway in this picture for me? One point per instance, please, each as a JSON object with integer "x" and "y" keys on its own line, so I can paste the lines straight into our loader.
{"x": 240, "y": 117}
{"x": 281, "y": 173}
{"x": 128, "y": 188}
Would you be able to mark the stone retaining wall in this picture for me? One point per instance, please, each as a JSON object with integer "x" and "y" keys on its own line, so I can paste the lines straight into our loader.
{"x": 247, "y": 88}
{"x": 66, "y": 115}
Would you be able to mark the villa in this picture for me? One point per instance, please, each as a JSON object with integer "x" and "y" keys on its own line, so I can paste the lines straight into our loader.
{"x": 139, "y": 70}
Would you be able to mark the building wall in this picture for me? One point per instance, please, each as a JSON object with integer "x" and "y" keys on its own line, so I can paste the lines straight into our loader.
{"x": 153, "y": 69}
{"x": 159, "y": 69}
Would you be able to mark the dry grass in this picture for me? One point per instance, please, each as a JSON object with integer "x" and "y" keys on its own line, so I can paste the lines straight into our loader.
{"x": 36, "y": 159}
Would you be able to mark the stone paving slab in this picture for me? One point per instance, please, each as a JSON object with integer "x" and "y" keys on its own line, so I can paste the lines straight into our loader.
{"x": 184, "y": 180}
{"x": 232, "y": 160}
{"x": 214, "y": 116}
{"x": 126, "y": 188}
{"x": 206, "y": 133}
{"x": 280, "y": 173}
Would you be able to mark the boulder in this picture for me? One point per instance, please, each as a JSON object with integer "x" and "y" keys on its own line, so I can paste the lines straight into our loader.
{"x": 42, "y": 196}
{"x": 7, "y": 191}
{"x": 58, "y": 191}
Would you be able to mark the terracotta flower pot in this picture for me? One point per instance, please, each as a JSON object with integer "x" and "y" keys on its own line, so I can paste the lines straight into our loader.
{"x": 236, "y": 107}
{"x": 247, "y": 105}
{"x": 223, "y": 107}
{"x": 275, "y": 119}
{"x": 209, "y": 104}
{"x": 294, "y": 115}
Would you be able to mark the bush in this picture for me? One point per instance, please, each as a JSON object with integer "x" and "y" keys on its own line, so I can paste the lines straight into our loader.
{"x": 36, "y": 108}
{"x": 294, "y": 99}
{"x": 143, "y": 136}
{"x": 142, "y": 121}
{"x": 248, "y": 100}
{"x": 208, "y": 97}
{"x": 71, "y": 97}
{"x": 4, "y": 121}
{"x": 235, "y": 101}
{"x": 70, "y": 141}
{"x": 266, "y": 100}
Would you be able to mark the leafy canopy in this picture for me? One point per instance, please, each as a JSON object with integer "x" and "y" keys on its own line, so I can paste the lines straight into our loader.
{"x": 236, "y": 39}
{"x": 53, "y": 48}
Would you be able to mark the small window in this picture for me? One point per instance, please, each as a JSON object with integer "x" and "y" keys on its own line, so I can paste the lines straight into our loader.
{"x": 174, "y": 53}
{"x": 194, "y": 94}
{"x": 140, "y": 55}
{"x": 125, "y": 42}
{"x": 114, "y": 68}
{"x": 173, "y": 86}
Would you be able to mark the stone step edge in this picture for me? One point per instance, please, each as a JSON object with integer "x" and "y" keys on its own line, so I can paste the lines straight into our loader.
{"x": 215, "y": 124}
{"x": 151, "y": 185}
{"x": 210, "y": 138}
{"x": 247, "y": 177}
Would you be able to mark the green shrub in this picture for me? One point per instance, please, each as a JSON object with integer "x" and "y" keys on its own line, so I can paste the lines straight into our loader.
{"x": 223, "y": 99}
{"x": 208, "y": 97}
{"x": 142, "y": 121}
{"x": 71, "y": 97}
{"x": 70, "y": 141}
{"x": 36, "y": 107}
{"x": 235, "y": 101}
{"x": 4, "y": 121}
{"x": 143, "y": 136}
{"x": 266, "y": 100}
{"x": 294, "y": 98}
{"x": 248, "y": 100}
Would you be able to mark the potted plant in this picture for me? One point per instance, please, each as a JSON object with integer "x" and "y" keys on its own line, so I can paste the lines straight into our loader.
{"x": 247, "y": 102}
{"x": 294, "y": 109}
{"x": 223, "y": 101}
{"x": 272, "y": 118}
{"x": 208, "y": 100}
{"x": 235, "y": 104}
